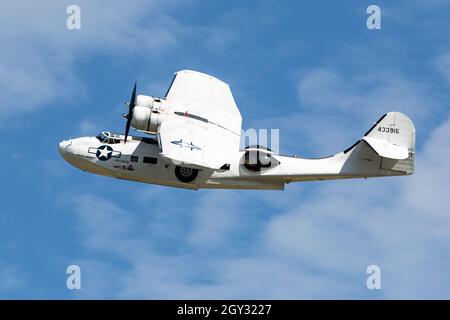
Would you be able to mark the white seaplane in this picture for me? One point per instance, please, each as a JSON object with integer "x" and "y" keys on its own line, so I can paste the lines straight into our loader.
{"x": 194, "y": 142}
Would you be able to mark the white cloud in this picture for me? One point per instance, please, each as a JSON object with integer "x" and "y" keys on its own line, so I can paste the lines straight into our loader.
{"x": 365, "y": 95}
{"x": 88, "y": 127}
{"x": 337, "y": 108}
{"x": 104, "y": 223}
{"x": 38, "y": 67}
{"x": 215, "y": 218}
{"x": 53, "y": 167}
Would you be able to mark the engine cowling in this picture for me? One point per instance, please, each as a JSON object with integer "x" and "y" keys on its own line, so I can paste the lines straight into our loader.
{"x": 145, "y": 101}
{"x": 145, "y": 118}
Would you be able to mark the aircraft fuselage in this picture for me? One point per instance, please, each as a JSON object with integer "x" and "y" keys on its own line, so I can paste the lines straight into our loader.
{"x": 139, "y": 159}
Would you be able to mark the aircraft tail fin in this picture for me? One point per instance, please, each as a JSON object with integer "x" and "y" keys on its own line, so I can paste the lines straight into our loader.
{"x": 394, "y": 128}
{"x": 392, "y": 138}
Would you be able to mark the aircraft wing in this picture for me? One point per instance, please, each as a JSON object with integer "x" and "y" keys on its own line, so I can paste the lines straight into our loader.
{"x": 204, "y": 96}
{"x": 187, "y": 141}
{"x": 206, "y": 126}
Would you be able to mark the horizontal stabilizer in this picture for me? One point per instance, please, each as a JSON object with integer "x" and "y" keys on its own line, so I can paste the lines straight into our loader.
{"x": 386, "y": 149}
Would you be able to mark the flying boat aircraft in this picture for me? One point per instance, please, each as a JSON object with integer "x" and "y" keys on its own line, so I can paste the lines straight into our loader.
{"x": 192, "y": 140}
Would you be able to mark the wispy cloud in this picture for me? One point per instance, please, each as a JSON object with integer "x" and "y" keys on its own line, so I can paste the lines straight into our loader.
{"x": 337, "y": 107}
{"x": 88, "y": 127}
{"x": 39, "y": 66}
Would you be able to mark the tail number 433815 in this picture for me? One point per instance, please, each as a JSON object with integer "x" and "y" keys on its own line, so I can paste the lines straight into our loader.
{"x": 389, "y": 130}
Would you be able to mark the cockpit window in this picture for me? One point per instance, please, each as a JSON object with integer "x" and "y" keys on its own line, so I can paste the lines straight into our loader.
{"x": 108, "y": 137}
{"x": 102, "y": 138}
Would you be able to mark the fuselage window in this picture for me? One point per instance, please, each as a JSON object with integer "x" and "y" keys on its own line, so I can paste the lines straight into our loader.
{"x": 149, "y": 140}
{"x": 134, "y": 158}
{"x": 150, "y": 160}
{"x": 102, "y": 138}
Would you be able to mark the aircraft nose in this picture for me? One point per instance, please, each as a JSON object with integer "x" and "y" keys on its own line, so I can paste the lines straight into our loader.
{"x": 62, "y": 147}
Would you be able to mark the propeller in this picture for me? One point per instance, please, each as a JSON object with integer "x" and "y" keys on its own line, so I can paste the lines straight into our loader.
{"x": 130, "y": 112}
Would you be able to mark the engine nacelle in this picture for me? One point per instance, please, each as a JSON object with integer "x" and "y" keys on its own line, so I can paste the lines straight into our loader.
{"x": 145, "y": 101}
{"x": 144, "y": 118}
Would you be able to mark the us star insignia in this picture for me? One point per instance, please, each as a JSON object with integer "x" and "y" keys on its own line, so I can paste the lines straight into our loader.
{"x": 104, "y": 152}
{"x": 185, "y": 145}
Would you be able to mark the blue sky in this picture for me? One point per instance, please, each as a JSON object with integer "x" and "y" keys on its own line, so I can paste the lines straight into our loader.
{"x": 311, "y": 69}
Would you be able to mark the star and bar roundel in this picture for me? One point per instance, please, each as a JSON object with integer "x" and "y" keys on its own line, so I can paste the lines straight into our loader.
{"x": 104, "y": 152}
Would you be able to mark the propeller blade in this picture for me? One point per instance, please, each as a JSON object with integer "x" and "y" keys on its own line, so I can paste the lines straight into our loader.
{"x": 130, "y": 112}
